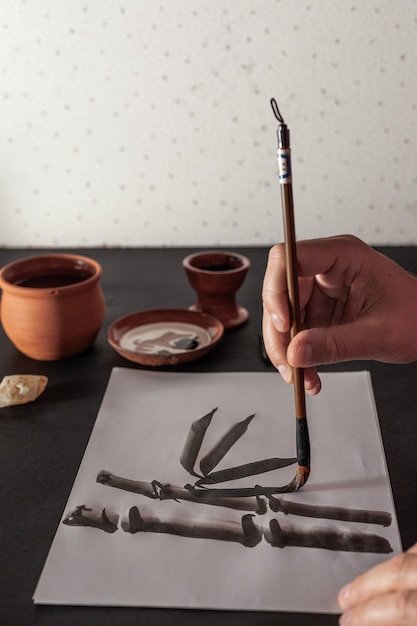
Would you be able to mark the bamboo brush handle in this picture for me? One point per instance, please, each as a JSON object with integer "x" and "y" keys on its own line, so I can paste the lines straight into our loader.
{"x": 293, "y": 294}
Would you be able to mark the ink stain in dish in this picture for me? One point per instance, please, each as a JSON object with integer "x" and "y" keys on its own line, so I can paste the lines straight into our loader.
{"x": 164, "y": 336}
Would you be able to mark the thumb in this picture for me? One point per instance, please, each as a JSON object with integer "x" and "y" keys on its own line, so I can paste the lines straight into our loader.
{"x": 334, "y": 344}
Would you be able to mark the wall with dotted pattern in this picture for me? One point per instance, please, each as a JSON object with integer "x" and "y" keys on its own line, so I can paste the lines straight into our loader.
{"x": 148, "y": 122}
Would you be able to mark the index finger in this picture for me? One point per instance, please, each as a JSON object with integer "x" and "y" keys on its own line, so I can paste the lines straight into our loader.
{"x": 274, "y": 289}
{"x": 314, "y": 257}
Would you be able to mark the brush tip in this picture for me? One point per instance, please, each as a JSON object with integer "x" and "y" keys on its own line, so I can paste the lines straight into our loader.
{"x": 300, "y": 478}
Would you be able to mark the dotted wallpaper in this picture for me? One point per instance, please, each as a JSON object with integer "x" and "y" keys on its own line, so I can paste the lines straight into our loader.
{"x": 148, "y": 122}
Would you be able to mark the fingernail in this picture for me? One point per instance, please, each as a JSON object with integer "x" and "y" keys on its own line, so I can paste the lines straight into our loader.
{"x": 313, "y": 388}
{"x": 344, "y": 619}
{"x": 277, "y": 322}
{"x": 344, "y": 595}
{"x": 304, "y": 355}
{"x": 285, "y": 372}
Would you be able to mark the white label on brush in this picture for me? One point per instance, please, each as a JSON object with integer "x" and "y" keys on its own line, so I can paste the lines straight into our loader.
{"x": 284, "y": 165}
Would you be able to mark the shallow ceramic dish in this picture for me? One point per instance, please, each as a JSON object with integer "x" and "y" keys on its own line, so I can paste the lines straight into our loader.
{"x": 164, "y": 336}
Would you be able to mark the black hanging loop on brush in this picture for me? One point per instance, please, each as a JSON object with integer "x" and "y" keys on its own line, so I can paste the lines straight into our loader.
{"x": 283, "y": 132}
{"x": 276, "y": 111}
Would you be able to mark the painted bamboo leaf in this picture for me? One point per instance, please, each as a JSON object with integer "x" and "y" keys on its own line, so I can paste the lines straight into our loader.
{"x": 222, "y": 447}
{"x": 193, "y": 442}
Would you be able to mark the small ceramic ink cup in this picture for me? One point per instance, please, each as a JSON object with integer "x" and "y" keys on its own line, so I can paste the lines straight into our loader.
{"x": 216, "y": 276}
{"x": 52, "y": 306}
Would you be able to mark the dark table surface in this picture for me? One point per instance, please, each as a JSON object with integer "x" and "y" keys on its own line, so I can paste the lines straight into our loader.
{"x": 42, "y": 443}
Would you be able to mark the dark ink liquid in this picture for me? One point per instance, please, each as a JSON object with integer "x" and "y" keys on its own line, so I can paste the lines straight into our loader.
{"x": 220, "y": 267}
{"x": 52, "y": 280}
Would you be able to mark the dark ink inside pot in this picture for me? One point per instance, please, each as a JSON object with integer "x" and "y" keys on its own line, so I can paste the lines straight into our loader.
{"x": 52, "y": 280}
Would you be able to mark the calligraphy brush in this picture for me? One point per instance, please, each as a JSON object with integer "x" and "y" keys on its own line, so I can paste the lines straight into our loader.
{"x": 302, "y": 437}
{"x": 285, "y": 179}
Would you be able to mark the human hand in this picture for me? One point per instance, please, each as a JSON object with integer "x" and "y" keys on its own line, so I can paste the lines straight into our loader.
{"x": 355, "y": 304}
{"x": 386, "y": 595}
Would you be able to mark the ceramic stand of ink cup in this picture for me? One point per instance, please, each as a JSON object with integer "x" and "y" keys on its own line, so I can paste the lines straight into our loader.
{"x": 216, "y": 276}
{"x": 52, "y": 306}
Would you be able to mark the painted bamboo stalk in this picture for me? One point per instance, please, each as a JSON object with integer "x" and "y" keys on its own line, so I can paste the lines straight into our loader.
{"x": 162, "y": 491}
{"x": 326, "y": 539}
{"x": 235, "y": 492}
{"x": 245, "y": 532}
{"x": 136, "y": 486}
{"x": 171, "y": 492}
{"x": 85, "y": 516}
{"x": 279, "y": 505}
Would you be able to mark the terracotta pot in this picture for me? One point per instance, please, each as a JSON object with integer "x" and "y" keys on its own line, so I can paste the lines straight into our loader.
{"x": 52, "y": 306}
{"x": 216, "y": 276}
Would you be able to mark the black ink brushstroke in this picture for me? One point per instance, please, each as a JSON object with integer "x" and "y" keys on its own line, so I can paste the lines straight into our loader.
{"x": 245, "y": 533}
{"x": 193, "y": 442}
{"x": 101, "y": 521}
{"x": 161, "y": 491}
{"x": 247, "y": 469}
{"x": 279, "y": 505}
{"x": 326, "y": 539}
{"x": 171, "y": 492}
{"x": 235, "y": 492}
{"x": 126, "y": 484}
{"x": 222, "y": 447}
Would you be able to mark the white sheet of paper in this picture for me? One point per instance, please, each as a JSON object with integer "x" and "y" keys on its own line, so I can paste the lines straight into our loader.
{"x": 140, "y": 433}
